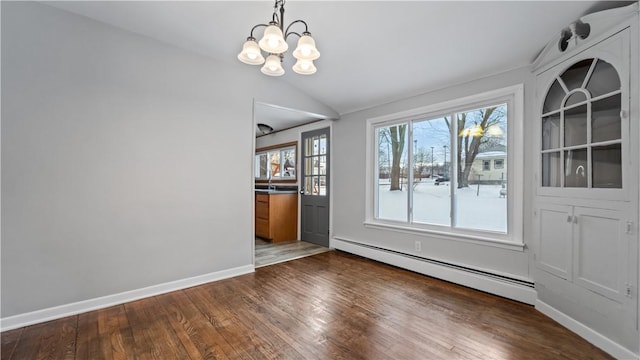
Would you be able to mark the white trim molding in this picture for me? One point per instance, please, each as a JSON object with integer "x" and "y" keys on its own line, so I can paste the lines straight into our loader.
{"x": 57, "y": 312}
{"x": 514, "y": 289}
{"x": 592, "y": 336}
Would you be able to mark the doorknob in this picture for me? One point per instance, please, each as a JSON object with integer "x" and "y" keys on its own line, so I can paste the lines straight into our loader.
{"x": 302, "y": 190}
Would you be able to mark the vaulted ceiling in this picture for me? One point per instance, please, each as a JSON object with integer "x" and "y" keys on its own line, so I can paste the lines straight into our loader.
{"x": 372, "y": 52}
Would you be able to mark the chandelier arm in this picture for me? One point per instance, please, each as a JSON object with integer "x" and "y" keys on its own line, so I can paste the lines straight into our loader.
{"x": 287, "y": 33}
{"x": 286, "y": 36}
{"x": 257, "y": 26}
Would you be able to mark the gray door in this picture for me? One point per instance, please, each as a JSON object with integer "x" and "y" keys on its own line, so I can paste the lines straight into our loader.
{"x": 314, "y": 192}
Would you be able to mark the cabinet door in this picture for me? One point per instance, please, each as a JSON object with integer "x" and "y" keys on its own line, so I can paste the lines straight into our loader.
{"x": 601, "y": 248}
{"x": 555, "y": 233}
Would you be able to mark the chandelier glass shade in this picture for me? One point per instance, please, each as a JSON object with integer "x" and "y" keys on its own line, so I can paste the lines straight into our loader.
{"x": 274, "y": 43}
{"x": 251, "y": 53}
{"x": 272, "y": 66}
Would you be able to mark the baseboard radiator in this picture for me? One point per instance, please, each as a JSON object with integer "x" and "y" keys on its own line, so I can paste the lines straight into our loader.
{"x": 515, "y": 289}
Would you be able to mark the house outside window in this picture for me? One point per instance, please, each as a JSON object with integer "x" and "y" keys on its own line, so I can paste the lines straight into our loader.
{"x": 431, "y": 168}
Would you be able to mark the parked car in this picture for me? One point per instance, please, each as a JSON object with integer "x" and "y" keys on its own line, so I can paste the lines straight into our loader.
{"x": 441, "y": 179}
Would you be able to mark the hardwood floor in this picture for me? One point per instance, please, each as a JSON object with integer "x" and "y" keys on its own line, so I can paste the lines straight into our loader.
{"x": 268, "y": 253}
{"x": 327, "y": 306}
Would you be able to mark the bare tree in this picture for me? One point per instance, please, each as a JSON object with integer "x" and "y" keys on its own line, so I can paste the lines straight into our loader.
{"x": 469, "y": 141}
{"x": 397, "y": 137}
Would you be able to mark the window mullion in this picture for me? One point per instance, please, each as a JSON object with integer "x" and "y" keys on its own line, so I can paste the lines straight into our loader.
{"x": 453, "y": 166}
{"x": 410, "y": 174}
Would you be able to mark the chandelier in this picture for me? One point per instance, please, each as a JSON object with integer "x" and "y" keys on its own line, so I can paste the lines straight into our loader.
{"x": 274, "y": 43}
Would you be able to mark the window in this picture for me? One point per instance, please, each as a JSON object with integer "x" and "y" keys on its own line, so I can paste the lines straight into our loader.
{"x": 486, "y": 165}
{"x": 276, "y": 162}
{"x": 431, "y": 168}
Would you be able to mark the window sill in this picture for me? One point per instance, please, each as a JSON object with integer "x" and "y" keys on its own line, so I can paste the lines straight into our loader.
{"x": 446, "y": 235}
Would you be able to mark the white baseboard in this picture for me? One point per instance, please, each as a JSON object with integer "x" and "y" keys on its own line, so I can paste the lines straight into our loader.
{"x": 57, "y": 312}
{"x": 493, "y": 285}
{"x": 597, "y": 339}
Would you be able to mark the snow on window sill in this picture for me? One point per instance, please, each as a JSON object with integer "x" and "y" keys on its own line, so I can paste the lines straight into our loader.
{"x": 448, "y": 235}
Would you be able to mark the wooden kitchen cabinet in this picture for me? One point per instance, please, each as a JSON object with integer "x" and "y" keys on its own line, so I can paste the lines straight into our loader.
{"x": 276, "y": 216}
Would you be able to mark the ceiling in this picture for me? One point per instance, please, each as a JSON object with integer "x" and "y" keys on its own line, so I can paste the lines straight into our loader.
{"x": 372, "y": 52}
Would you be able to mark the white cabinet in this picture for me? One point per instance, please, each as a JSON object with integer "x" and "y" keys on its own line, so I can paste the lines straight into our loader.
{"x": 585, "y": 227}
{"x": 589, "y": 247}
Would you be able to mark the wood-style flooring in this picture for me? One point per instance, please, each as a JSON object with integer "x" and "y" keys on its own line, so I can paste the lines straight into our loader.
{"x": 268, "y": 253}
{"x": 327, "y": 306}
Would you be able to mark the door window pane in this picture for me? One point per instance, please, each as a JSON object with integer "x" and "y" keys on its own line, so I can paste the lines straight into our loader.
{"x": 323, "y": 144}
{"x": 308, "y": 185}
{"x": 322, "y": 186}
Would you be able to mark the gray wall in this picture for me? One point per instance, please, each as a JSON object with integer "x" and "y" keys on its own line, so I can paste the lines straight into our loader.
{"x": 125, "y": 161}
{"x": 349, "y": 184}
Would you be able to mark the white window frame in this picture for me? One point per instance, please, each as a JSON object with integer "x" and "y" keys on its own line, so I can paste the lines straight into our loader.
{"x": 513, "y": 96}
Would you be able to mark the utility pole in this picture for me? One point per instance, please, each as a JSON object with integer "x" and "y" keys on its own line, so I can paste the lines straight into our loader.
{"x": 445, "y": 160}
{"x": 432, "y": 162}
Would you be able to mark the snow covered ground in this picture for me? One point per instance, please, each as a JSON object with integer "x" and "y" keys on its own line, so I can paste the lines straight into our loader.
{"x": 482, "y": 210}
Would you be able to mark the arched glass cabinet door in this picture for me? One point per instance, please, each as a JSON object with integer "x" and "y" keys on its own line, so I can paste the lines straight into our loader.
{"x": 582, "y": 128}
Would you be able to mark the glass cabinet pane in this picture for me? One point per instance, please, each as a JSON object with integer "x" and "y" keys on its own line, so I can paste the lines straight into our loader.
{"x": 554, "y": 98}
{"x": 551, "y": 132}
{"x": 607, "y": 166}
{"x": 575, "y": 168}
{"x": 575, "y": 126}
{"x": 603, "y": 80}
{"x": 551, "y": 169}
{"x": 605, "y": 119}
{"x": 574, "y": 76}
{"x": 575, "y": 98}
